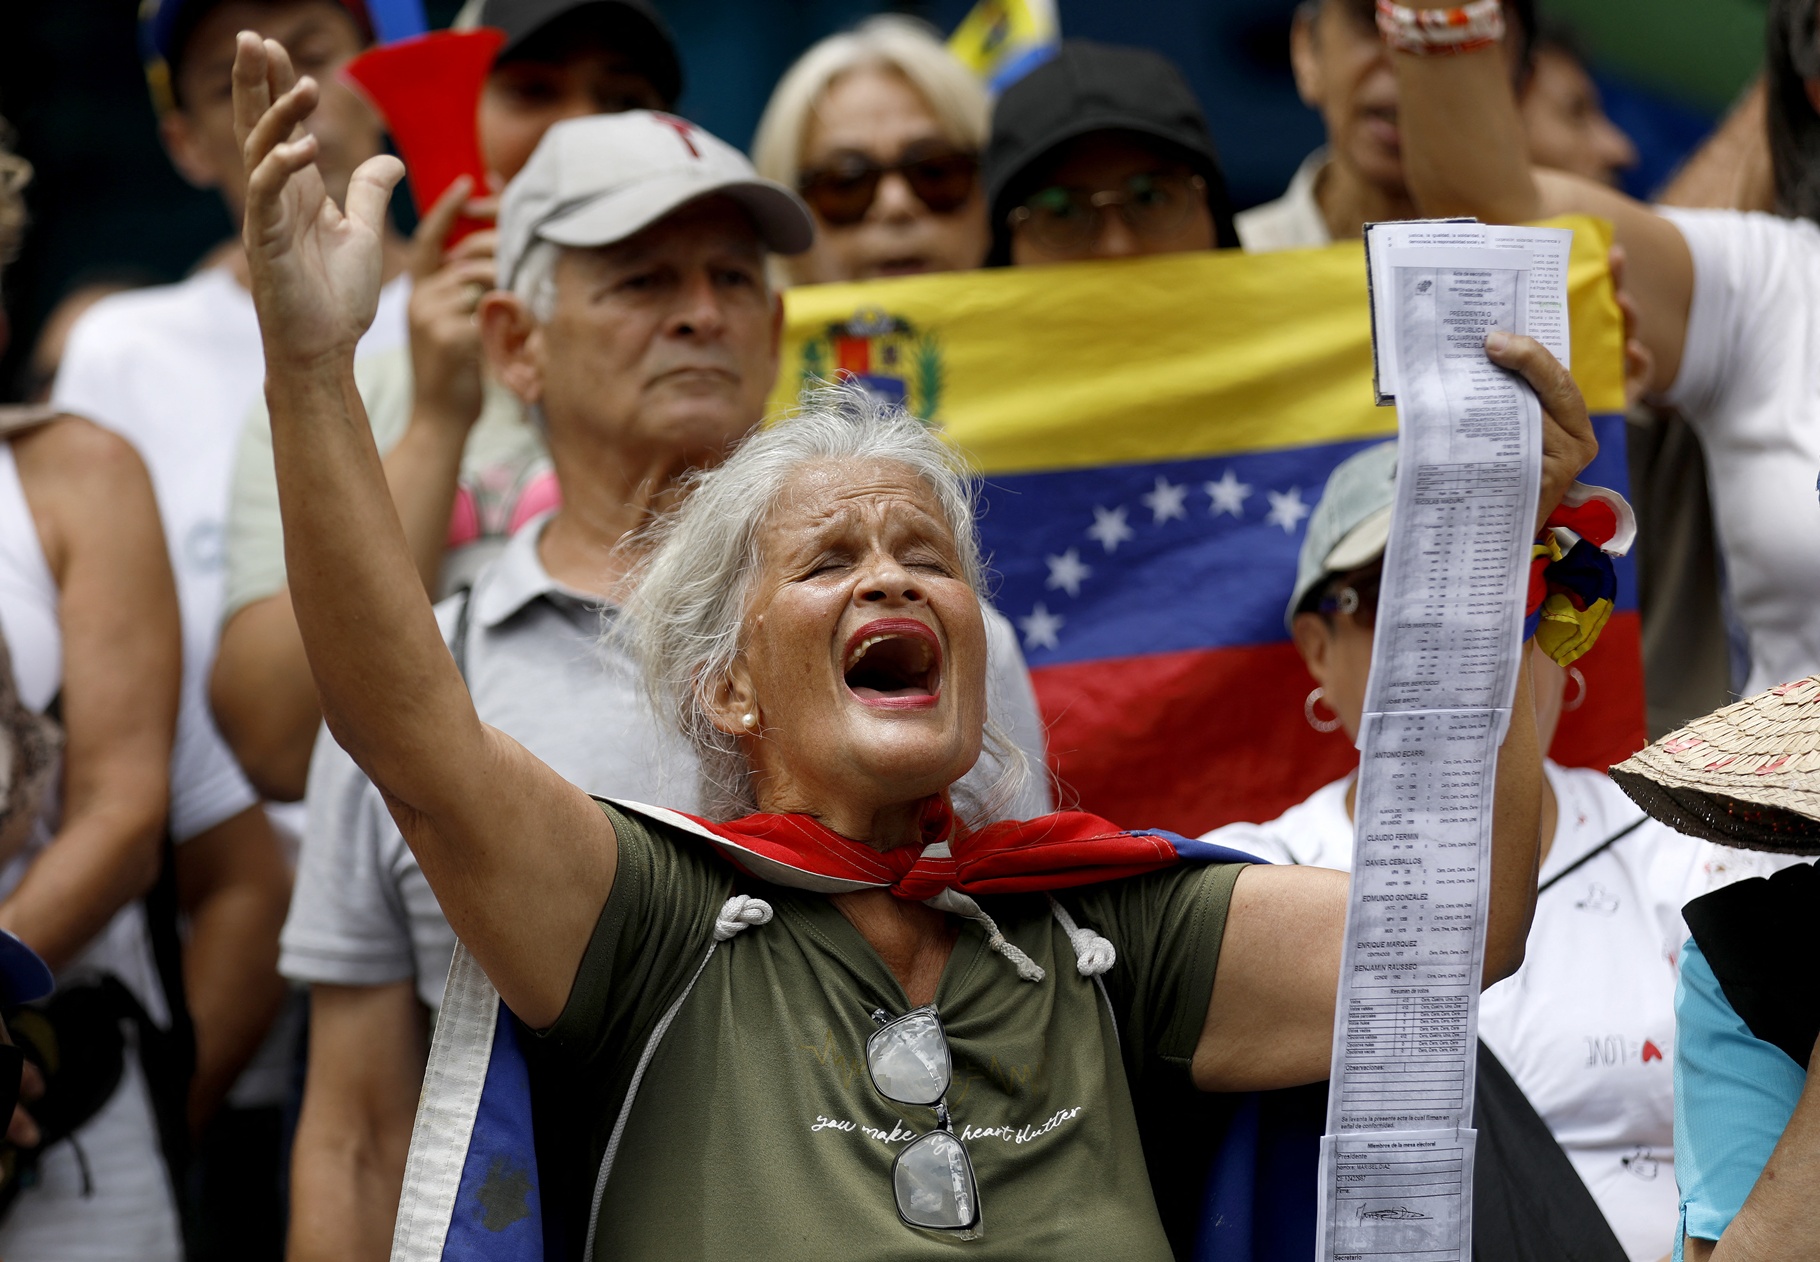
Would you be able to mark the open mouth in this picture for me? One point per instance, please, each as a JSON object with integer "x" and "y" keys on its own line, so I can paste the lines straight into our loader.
{"x": 894, "y": 663}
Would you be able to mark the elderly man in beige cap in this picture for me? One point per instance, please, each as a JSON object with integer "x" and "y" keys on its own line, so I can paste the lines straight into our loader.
{"x": 635, "y": 321}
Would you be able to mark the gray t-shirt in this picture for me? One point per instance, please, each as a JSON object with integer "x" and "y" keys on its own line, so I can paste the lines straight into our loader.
{"x": 540, "y": 671}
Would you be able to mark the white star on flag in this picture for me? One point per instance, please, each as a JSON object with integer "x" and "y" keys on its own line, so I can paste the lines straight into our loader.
{"x": 1109, "y": 528}
{"x": 1040, "y": 628}
{"x": 1286, "y": 509}
{"x": 1228, "y": 494}
{"x": 1166, "y": 502}
{"x": 1067, "y": 571}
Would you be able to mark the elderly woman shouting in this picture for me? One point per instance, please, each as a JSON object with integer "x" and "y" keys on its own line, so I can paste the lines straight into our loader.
{"x": 901, "y": 1055}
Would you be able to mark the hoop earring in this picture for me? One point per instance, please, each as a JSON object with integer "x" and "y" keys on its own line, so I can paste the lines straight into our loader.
{"x": 1319, "y": 725}
{"x": 1573, "y": 673}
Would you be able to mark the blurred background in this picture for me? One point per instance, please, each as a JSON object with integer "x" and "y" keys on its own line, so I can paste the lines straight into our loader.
{"x": 106, "y": 204}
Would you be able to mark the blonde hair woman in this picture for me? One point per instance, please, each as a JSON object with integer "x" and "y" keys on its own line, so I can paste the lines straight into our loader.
{"x": 880, "y": 129}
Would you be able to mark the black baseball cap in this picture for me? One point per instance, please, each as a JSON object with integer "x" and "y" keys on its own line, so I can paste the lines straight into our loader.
{"x": 1092, "y": 87}
{"x": 632, "y": 26}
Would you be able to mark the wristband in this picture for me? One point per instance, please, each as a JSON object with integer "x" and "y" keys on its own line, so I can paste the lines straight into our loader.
{"x": 1573, "y": 578}
{"x": 1429, "y": 32}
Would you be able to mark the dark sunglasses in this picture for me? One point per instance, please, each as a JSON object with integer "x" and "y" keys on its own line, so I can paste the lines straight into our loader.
{"x": 841, "y": 192}
{"x": 1153, "y": 205}
{"x": 909, "y": 1063}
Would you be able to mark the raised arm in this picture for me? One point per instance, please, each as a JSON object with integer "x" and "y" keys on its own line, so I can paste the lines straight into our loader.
{"x": 260, "y": 687}
{"x": 520, "y": 860}
{"x": 1464, "y": 153}
{"x": 1270, "y": 1021}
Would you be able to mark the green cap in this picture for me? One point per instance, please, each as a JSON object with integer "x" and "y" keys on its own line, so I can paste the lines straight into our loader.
{"x": 1350, "y": 525}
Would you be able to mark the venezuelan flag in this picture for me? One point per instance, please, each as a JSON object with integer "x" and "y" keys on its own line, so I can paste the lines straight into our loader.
{"x": 1003, "y": 40}
{"x": 1153, "y": 433}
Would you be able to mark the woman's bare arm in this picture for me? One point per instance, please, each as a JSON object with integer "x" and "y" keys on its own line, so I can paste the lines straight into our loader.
{"x": 233, "y": 887}
{"x": 91, "y": 500}
{"x": 260, "y": 687}
{"x": 520, "y": 860}
{"x": 1464, "y": 154}
{"x": 1270, "y": 1021}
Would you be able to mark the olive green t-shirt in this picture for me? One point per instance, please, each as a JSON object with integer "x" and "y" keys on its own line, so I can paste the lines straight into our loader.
{"x": 757, "y": 1133}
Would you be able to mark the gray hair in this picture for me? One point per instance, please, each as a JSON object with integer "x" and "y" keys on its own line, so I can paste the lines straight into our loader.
{"x": 687, "y": 611}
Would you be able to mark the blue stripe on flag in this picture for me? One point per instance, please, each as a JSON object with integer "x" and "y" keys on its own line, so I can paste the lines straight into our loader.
{"x": 1020, "y": 64}
{"x": 498, "y": 1214}
{"x": 1194, "y": 850}
{"x": 1123, "y": 560}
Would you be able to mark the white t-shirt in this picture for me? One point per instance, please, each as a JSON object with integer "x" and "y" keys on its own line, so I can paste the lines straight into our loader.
{"x": 128, "y": 1210}
{"x": 173, "y": 370}
{"x": 1293, "y": 221}
{"x": 1587, "y": 1025}
{"x": 1750, "y": 386}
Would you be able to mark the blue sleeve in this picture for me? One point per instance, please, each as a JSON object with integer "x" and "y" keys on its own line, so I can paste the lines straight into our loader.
{"x": 1734, "y": 1094}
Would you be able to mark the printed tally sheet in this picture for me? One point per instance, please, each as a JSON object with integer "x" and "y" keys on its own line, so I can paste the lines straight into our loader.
{"x": 1546, "y": 250}
{"x": 1397, "y": 1159}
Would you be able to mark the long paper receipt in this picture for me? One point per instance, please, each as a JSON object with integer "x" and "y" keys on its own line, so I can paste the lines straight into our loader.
{"x": 1397, "y": 1158}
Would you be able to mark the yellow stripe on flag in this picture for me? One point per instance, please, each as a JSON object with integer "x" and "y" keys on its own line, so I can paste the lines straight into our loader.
{"x": 995, "y": 32}
{"x": 1132, "y": 361}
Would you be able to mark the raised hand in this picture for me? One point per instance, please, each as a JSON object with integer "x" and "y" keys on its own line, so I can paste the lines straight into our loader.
{"x": 316, "y": 269}
{"x": 1568, "y": 441}
{"x": 447, "y": 285}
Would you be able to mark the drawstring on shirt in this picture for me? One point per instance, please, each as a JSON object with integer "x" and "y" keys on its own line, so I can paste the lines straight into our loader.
{"x": 1093, "y": 954}
{"x": 742, "y": 911}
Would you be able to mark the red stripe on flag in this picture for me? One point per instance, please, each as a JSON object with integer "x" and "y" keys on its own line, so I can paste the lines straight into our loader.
{"x": 1188, "y": 741}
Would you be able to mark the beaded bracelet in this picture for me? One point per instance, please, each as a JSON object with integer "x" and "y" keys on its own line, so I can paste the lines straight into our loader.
{"x": 1430, "y": 32}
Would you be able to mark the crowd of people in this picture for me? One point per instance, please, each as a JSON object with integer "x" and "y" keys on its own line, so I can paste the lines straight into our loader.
{"x": 356, "y": 589}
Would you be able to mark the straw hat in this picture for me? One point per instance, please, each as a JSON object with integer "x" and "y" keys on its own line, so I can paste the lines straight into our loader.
{"x": 1747, "y": 775}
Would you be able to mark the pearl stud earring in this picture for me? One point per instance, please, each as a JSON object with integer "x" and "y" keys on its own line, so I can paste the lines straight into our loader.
{"x": 749, "y": 720}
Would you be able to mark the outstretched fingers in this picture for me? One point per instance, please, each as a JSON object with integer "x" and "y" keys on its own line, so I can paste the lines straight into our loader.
{"x": 252, "y": 96}
{"x": 370, "y": 189}
{"x": 280, "y": 124}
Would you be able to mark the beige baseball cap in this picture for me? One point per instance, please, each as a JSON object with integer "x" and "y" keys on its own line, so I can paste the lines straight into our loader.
{"x": 1351, "y": 524}
{"x": 600, "y": 179}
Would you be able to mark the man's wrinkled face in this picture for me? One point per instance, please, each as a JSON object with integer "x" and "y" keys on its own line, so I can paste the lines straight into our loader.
{"x": 1343, "y": 70}
{"x": 320, "y": 37}
{"x": 569, "y": 69}
{"x": 863, "y": 652}
{"x": 665, "y": 343}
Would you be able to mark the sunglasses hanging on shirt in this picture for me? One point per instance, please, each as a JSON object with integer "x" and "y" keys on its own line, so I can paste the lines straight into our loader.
{"x": 843, "y": 189}
{"x": 909, "y": 1063}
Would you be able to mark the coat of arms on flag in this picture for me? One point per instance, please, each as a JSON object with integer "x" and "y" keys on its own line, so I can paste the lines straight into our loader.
{"x": 886, "y": 353}
{"x": 1153, "y": 434}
